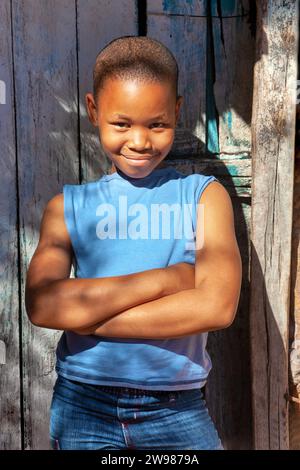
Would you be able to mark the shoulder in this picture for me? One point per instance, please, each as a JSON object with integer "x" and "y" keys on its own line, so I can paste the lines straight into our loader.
{"x": 192, "y": 180}
{"x": 71, "y": 191}
{"x": 195, "y": 180}
{"x": 216, "y": 196}
{"x": 215, "y": 214}
{"x": 55, "y": 205}
{"x": 53, "y": 226}
{"x": 214, "y": 191}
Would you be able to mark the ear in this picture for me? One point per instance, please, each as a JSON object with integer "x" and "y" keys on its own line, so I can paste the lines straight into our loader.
{"x": 177, "y": 107}
{"x": 91, "y": 108}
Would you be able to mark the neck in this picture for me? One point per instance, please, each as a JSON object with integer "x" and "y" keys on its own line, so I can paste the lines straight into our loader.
{"x": 162, "y": 164}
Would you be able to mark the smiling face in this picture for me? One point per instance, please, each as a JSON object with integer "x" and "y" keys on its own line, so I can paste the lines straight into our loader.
{"x": 136, "y": 122}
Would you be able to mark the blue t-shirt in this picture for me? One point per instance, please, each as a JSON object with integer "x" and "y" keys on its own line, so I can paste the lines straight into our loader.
{"x": 121, "y": 225}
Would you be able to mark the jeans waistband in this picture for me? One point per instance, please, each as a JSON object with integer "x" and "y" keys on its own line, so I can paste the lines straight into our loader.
{"x": 131, "y": 391}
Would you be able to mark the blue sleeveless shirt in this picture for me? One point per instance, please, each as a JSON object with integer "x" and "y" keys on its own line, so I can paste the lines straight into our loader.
{"x": 121, "y": 225}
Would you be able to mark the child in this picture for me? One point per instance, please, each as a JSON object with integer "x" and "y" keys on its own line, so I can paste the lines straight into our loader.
{"x": 132, "y": 362}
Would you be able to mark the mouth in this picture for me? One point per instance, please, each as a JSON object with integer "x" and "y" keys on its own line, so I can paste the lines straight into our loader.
{"x": 139, "y": 157}
{"x": 139, "y": 160}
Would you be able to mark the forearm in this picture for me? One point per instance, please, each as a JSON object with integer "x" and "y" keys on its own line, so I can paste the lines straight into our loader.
{"x": 80, "y": 303}
{"x": 183, "y": 313}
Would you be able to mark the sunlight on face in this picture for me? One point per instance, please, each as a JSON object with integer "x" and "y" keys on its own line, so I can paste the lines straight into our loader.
{"x": 136, "y": 122}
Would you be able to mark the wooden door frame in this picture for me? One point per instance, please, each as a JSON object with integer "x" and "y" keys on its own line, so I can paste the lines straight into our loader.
{"x": 273, "y": 138}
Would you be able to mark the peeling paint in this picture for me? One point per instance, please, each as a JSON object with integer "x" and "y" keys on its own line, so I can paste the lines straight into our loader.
{"x": 212, "y": 118}
{"x": 228, "y": 7}
{"x": 172, "y": 6}
{"x": 229, "y": 120}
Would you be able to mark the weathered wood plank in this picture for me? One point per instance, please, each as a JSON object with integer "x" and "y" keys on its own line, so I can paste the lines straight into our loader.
{"x": 46, "y": 100}
{"x": 237, "y": 186}
{"x": 294, "y": 327}
{"x": 232, "y": 168}
{"x": 177, "y": 7}
{"x": 231, "y": 58}
{"x": 234, "y": 47}
{"x": 185, "y": 36}
{"x": 273, "y": 125}
{"x": 10, "y": 434}
{"x": 98, "y": 24}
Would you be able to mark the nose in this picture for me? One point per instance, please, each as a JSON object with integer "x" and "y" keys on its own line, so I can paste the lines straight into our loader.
{"x": 139, "y": 140}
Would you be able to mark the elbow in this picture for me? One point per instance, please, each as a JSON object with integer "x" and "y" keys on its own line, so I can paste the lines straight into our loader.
{"x": 33, "y": 309}
{"x": 33, "y": 314}
{"x": 36, "y": 320}
{"x": 228, "y": 316}
{"x": 229, "y": 307}
{"x": 227, "y": 322}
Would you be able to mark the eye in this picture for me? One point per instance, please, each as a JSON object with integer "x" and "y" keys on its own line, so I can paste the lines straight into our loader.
{"x": 120, "y": 124}
{"x": 158, "y": 125}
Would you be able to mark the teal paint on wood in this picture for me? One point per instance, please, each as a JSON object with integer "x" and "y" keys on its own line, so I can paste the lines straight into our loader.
{"x": 212, "y": 133}
{"x": 172, "y": 4}
{"x": 194, "y": 7}
{"x": 229, "y": 120}
{"x": 227, "y": 7}
{"x": 179, "y": 7}
{"x": 228, "y": 70}
{"x": 234, "y": 62}
{"x": 186, "y": 38}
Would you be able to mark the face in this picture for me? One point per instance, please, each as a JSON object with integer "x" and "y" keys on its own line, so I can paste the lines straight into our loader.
{"x": 136, "y": 124}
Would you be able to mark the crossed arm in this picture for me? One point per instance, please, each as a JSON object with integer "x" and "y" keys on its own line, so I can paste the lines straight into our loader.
{"x": 161, "y": 303}
{"x": 183, "y": 313}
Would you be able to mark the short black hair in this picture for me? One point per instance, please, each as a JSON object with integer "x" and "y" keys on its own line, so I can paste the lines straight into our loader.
{"x": 135, "y": 58}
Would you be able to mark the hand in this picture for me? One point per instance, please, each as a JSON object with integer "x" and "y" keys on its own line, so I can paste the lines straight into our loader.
{"x": 184, "y": 276}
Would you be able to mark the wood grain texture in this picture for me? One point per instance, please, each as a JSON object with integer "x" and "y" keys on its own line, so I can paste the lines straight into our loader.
{"x": 177, "y": 7}
{"x": 10, "y": 413}
{"x": 273, "y": 134}
{"x": 185, "y": 36}
{"x": 46, "y": 101}
{"x": 294, "y": 328}
{"x": 184, "y": 28}
{"x": 98, "y": 23}
{"x": 234, "y": 49}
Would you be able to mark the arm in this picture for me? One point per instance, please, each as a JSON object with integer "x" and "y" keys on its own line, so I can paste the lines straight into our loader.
{"x": 55, "y": 301}
{"x": 212, "y": 304}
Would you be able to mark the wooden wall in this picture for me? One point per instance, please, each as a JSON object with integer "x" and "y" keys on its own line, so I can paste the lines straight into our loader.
{"x": 47, "y": 51}
{"x": 273, "y": 162}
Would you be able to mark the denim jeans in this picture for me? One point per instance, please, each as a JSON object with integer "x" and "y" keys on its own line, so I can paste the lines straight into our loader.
{"x": 87, "y": 417}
